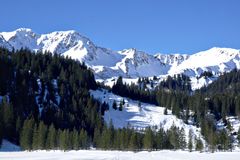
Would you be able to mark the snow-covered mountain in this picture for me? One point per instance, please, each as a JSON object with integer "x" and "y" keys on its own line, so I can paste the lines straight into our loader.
{"x": 4, "y": 43}
{"x": 129, "y": 63}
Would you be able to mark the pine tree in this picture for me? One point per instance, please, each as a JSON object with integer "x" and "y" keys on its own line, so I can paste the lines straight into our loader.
{"x": 199, "y": 144}
{"x": 51, "y": 142}
{"x": 8, "y": 118}
{"x": 96, "y": 137}
{"x": 229, "y": 126}
{"x": 139, "y": 106}
{"x": 75, "y": 139}
{"x": 114, "y": 106}
{"x": 238, "y": 136}
{"x": 212, "y": 140}
{"x": 123, "y": 101}
{"x": 63, "y": 139}
{"x": 133, "y": 142}
{"x": 165, "y": 111}
{"x": 83, "y": 139}
{"x": 182, "y": 139}
{"x": 18, "y": 127}
{"x": 42, "y": 135}
{"x": 35, "y": 145}
{"x": 173, "y": 137}
{"x": 190, "y": 138}
{"x": 1, "y": 129}
{"x": 148, "y": 139}
{"x": 120, "y": 106}
{"x": 160, "y": 139}
{"x": 70, "y": 140}
{"x": 106, "y": 138}
{"x": 27, "y": 134}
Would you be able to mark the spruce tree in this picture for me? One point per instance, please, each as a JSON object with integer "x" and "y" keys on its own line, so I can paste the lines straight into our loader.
{"x": 120, "y": 106}
{"x": 182, "y": 139}
{"x": 133, "y": 141}
{"x": 165, "y": 111}
{"x": 27, "y": 134}
{"x": 96, "y": 137}
{"x": 173, "y": 137}
{"x": 83, "y": 138}
{"x": 148, "y": 139}
{"x": 75, "y": 137}
{"x": 190, "y": 139}
{"x": 1, "y": 129}
{"x": 106, "y": 138}
{"x": 18, "y": 127}
{"x": 199, "y": 144}
{"x": 63, "y": 140}
{"x": 238, "y": 136}
{"x": 160, "y": 139}
{"x": 139, "y": 106}
{"x": 224, "y": 140}
{"x": 8, "y": 118}
{"x": 51, "y": 142}
{"x": 114, "y": 106}
{"x": 35, "y": 145}
{"x": 42, "y": 135}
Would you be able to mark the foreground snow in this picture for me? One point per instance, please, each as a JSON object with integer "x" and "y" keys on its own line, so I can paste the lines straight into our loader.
{"x": 9, "y": 151}
{"x": 118, "y": 155}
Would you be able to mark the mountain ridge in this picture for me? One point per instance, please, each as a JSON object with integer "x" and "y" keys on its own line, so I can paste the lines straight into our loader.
{"x": 128, "y": 63}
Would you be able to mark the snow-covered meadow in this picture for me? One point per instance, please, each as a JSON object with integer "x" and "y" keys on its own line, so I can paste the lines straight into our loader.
{"x": 118, "y": 155}
{"x": 9, "y": 151}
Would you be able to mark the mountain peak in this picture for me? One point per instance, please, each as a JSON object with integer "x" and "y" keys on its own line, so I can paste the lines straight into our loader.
{"x": 23, "y": 30}
{"x": 130, "y": 62}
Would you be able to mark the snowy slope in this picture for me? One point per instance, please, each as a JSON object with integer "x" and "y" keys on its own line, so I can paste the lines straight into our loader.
{"x": 234, "y": 122}
{"x": 22, "y": 38}
{"x": 128, "y": 63}
{"x": 8, "y": 147}
{"x": 215, "y": 60}
{"x": 140, "y": 117}
{"x": 4, "y": 43}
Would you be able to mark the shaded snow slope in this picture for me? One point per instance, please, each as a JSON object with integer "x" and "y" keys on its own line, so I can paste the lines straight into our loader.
{"x": 8, "y": 147}
{"x": 128, "y": 63}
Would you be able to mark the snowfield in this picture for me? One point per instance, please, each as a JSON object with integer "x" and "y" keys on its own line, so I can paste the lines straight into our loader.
{"x": 9, "y": 151}
{"x": 118, "y": 155}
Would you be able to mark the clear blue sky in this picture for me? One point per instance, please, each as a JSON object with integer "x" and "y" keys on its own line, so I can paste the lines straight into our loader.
{"x": 166, "y": 26}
